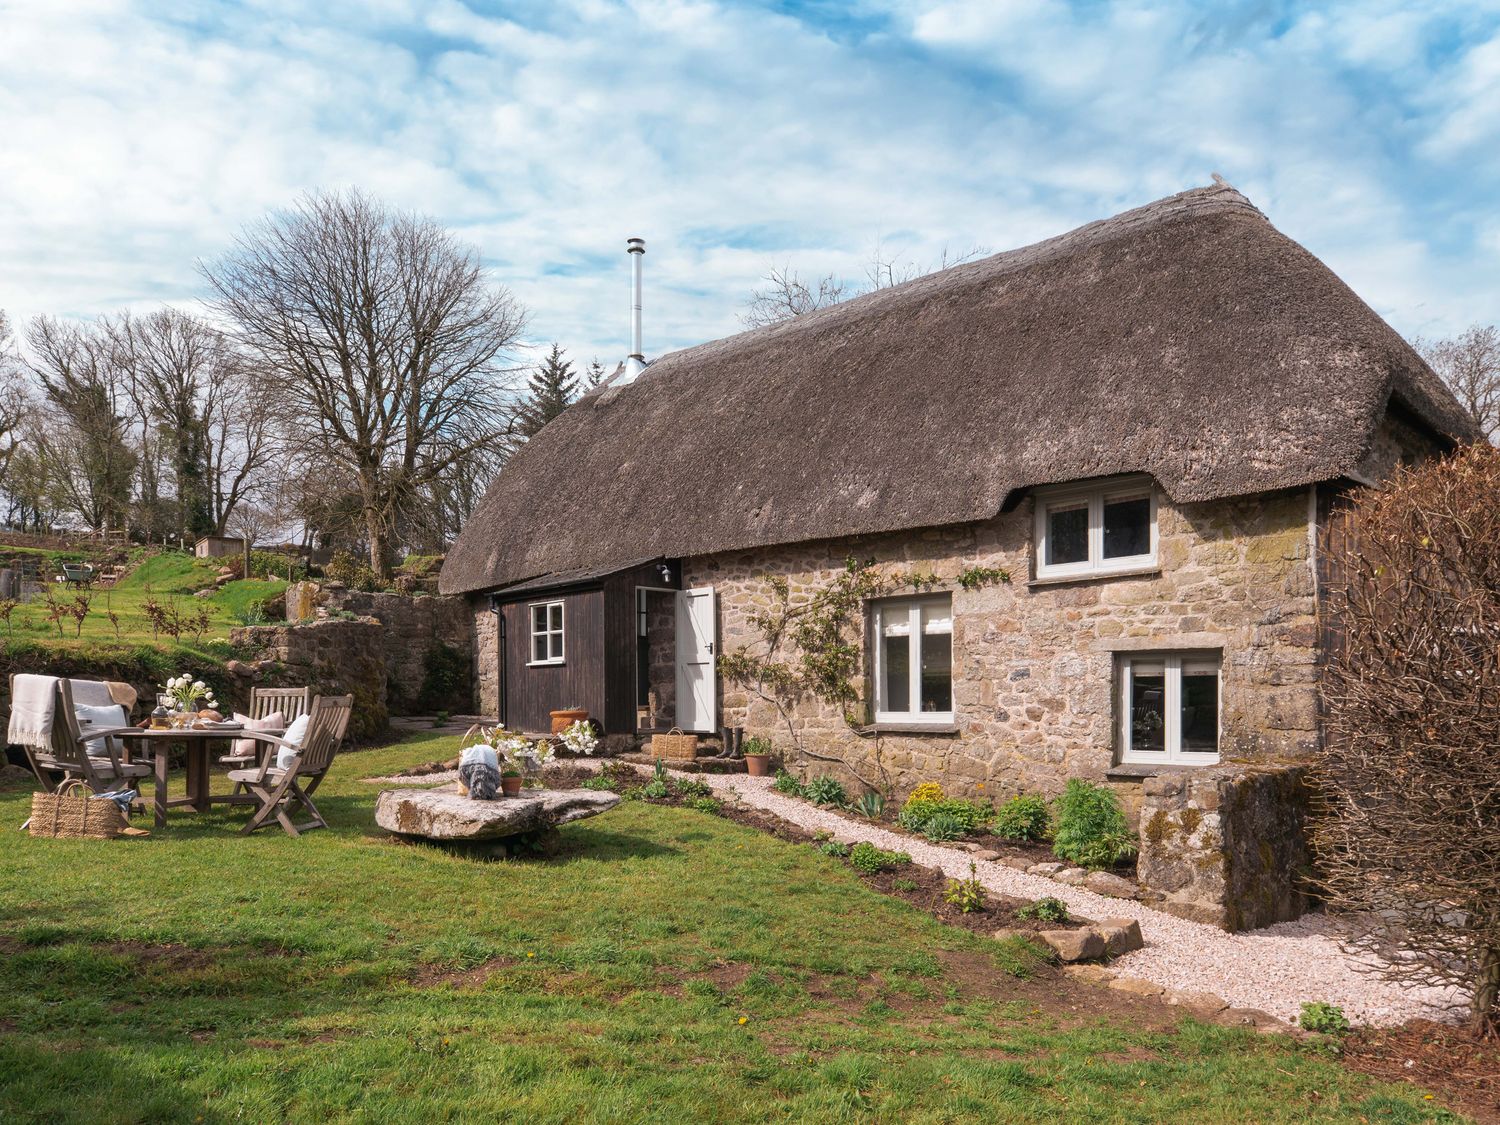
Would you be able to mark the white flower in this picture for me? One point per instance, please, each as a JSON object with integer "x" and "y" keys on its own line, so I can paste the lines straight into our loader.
{"x": 199, "y": 685}
{"x": 580, "y": 738}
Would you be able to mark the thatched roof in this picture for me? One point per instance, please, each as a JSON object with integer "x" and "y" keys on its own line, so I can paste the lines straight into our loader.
{"x": 1187, "y": 339}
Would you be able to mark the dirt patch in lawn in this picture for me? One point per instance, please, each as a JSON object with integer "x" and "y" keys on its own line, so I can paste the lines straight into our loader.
{"x": 464, "y": 980}
{"x": 924, "y": 887}
{"x": 1451, "y": 1061}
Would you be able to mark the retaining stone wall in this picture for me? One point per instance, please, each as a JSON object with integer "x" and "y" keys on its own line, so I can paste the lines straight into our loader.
{"x": 413, "y": 627}
{"x": 334, "y": 657}
{"x": 1226, "y": 845}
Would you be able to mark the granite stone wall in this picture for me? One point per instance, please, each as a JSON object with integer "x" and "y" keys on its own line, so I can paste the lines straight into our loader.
{"x": 413, "y": 627}
{"x": 333, "y": 657}
{"x": 1226, "y": 845}
{"x": 1035, "y": 662}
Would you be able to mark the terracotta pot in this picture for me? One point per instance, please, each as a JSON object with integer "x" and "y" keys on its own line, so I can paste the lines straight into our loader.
{"x": 562, "y": 720}
{"x": 511, "y": 786}
{"x": 758, "y": 765}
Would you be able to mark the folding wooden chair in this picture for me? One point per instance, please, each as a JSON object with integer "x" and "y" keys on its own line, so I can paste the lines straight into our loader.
{"x": 68, "y": 753}
{"x": 279, "y": 790}
{"x": 292, "y": 702}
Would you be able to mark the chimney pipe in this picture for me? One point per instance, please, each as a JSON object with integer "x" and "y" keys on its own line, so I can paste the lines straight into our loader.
{"x": 636, "y": 363}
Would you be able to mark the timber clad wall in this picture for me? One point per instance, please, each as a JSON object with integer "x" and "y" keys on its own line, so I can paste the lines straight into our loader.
{"x": 1034, "y": 665}
{"x": 536, "y": 691}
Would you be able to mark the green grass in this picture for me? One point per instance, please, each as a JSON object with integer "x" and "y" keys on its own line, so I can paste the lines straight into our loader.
{"x": 667, "y": 965}
{"x": 171, "y": 578}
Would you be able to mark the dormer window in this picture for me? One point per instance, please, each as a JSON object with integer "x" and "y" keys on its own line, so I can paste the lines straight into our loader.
{"x": 1096, "y": 529}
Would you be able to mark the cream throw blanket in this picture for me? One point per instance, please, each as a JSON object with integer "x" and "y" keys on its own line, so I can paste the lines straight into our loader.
{"x": 33, "y": 706}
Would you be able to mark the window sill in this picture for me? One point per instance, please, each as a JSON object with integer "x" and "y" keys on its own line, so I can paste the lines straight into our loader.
{"x": 545, "y": 663}
{"x": 1139, "y": 771}
{"x": 1152, "y": 571}
{"x": 915, "y": 728}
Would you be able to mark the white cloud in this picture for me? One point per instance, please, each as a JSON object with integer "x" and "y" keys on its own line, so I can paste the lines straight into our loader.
{"x": 734, "y": 137}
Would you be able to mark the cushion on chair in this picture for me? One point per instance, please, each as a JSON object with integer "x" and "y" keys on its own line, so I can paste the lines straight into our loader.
{"x": 293, "y": 737}
{"x": 242, "y": 777}
{"x": 95, "y": 717}
{"x": 247, "y": 748}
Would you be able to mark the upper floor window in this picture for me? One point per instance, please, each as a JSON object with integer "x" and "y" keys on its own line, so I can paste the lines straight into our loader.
{"x": 914, "y": 660}
{"x": 1096, "y": 530}
{"x": 1169, "y": 708}
{"x": 547, "y": 633}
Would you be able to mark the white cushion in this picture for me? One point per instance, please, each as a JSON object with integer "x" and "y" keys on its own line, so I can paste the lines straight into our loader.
{"x": 249, "y": 747}
{"x": 293, "y": 736}
{"x": 100, "y": 718}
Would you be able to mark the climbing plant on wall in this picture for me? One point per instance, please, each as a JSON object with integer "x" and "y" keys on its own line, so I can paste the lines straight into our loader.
{"x": 810, "y": 647}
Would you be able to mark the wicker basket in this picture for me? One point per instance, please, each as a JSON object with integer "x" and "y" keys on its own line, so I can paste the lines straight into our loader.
{"x": 73, "y": 815}
{"x": 675, "y": 745}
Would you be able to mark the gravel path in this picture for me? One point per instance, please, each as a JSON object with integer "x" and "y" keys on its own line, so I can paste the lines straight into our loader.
{"x": 1274, "y": 969}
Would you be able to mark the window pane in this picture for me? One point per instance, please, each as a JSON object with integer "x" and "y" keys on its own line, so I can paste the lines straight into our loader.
{"x": 1127, "y": 528}
{"x": 1148, "y": 709}
{"x": 556, "y": 611}
{"x": 897, "y": 694}
{"x": 1067, "y": 535}
{"x": 1200, "y": 712}
{"x": 937, "y": 671}
{"x": 556, "y": 648}
{"x": 539, "y": 647}
{"x": 538, "y": 619}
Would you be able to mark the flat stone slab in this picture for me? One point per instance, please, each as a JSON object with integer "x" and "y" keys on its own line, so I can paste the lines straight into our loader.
{"x": 441, "y": 814}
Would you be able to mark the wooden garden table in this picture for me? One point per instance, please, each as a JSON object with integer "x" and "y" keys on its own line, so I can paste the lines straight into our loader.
{"x": 159, "y": 744}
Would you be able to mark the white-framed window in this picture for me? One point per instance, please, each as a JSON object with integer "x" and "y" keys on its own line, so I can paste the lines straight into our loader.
{"x": 1096, "y": 530}
{"x": 546, "y": 633}
{"x": 913, "y": 660}
{"x": 1169, "y": 708}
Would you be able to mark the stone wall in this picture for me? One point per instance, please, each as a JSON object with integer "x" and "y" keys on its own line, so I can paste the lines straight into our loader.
{"x": 1226, "y": 844}
{"x": 333, "y": 657}
{"x": 486, "y": 656}
{"x": 413, "y": 628}
{"x": 1035, "y": 662}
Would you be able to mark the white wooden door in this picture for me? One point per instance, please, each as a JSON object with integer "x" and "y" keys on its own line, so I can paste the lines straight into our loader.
{"x": 697, "y": 637}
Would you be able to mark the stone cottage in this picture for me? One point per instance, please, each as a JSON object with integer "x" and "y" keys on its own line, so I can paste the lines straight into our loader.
{"x": 1142, "y": 423}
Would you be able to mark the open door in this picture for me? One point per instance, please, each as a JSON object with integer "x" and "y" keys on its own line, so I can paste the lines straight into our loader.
{"x": 697, "y": 683}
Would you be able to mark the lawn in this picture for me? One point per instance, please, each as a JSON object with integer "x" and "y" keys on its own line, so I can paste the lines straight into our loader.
{"x": 665, "y": 965}
{"x": 169, "y": 578}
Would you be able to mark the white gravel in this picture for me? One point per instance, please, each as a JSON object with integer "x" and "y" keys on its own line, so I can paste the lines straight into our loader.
{"x": 1275, "y": 969}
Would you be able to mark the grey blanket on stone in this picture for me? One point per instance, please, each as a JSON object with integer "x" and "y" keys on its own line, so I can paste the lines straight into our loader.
{"x": 481, "y": 779}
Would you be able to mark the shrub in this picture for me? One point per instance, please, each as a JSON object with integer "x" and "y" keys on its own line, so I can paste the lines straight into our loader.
{"x": 870, "y": 805}
{"x": 1090, "y": 828}
{"x": 345, "y": 568}
{"x": 868, "y": 858}
{"x": 786, "y": 783}
{"x": 692, "y": 788}
{"x": 1021, "y": 818}
{"x": 915, "y": 816}
{"x": 1046, "y": 909}
{"x": 1326, "y": 1019}
{"x": 445, "y": 679}
{"x": 705, "y": 804}
{"x": 755, "y": 744}
{"x": 942, "y": 826}
{"x": 597, "y": 783}
{"x": 834, "y": 848}
{"x": 825, "y": 791}
{"x": 966, "y": 894}
{"x": 927, "y": 791}
{"x": 251, "y": 613}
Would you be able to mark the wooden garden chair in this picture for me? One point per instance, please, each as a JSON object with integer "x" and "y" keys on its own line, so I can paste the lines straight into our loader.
{"x": 292, "y": 702}
{"x": 280, "y": 790}
{"x": 68, "y": 754}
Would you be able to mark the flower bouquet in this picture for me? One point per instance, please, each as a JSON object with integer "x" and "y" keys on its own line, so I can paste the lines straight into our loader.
{"x": 188, "y": 696}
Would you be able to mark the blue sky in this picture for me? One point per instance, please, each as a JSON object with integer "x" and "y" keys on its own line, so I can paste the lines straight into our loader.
{"x": 734, "y": 136}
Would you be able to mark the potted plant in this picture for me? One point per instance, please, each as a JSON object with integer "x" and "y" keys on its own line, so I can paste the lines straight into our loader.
{"x": 758, "y": 756}
{"x": 562, "y": 720}
{"x": 510, "y": 778}
{"x": 510, "y": 751}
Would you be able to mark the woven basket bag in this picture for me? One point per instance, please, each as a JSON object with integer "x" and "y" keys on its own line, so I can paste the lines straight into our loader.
{"x": 675, "y": 745}
{"x": 72, "y": 815}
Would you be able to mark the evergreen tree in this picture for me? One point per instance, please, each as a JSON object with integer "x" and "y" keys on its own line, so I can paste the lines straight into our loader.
{"x": 549, "y": 392}
{"x": 594, "y": 375}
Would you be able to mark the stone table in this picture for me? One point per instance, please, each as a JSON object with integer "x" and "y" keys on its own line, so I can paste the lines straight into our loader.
{"x": 441, "y": 814}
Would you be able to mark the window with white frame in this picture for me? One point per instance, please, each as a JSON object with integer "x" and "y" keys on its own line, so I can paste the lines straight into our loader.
{"x": 1096, "y": 530}
{"x": 1169, "y": 708}
{"x": 913, "y": 660}
{"x": 547, "y": 633}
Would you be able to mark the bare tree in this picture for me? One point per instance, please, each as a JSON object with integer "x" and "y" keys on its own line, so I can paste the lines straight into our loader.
{"x": 15, "y": 398}
{"x": 1409, "y": 845}
{"x": 240, "y": 442}
{"x": 1470, "y": 364}
{"x": 85, "y": 437}
{"x": 253, "y": 524}
{"x": 786, "y": 295}
{"x": 381, "y": 336}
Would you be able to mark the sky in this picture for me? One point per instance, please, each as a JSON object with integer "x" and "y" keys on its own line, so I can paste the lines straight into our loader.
{"x": 137, "y": 139}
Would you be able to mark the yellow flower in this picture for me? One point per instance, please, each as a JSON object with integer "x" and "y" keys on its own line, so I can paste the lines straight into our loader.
{"x": 744, "y": 1019}
{"x": 531, "y": 954}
